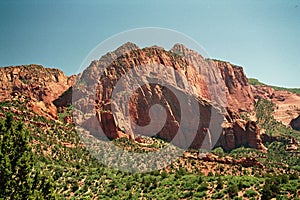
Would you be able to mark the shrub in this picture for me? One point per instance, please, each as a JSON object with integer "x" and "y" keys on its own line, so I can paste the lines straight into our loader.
{"x": 271, "y": 188}
{"x": 164, "y": 174}
{"x": 250, "y": 193}
{"x": 219, "y": 151}
{"x": 203, "y": 187}
{"x": 210, "y": 174}
{"x": 218, "y": 195}
{"x": 220, "y": 183}
{"x": 232, "y": 190}
{"x": 294, "y": 176}
{"x": 199, "y": 194}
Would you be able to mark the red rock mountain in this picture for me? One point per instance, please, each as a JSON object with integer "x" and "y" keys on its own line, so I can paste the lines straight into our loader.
{"x": 214, "y": 91}
{"x": 211, "y": 86}
{"x": 35, "y": 85}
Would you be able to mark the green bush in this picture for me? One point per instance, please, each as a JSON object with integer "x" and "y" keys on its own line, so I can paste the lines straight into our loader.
{"x": 18, "y": 177}
{"x": 203, "y": 187}
{"x": 218, "y": 195}
{"x": 250, "y": 193}
{"x": 232, "y": 189}
{"x": 294, "y": 176}
{"x": 220, "y": 183}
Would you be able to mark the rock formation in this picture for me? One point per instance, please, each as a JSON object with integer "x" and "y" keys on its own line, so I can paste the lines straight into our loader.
{"x": 37, "y": 86}
{"x": 238, "y": 90}
{"x": 245, "y": 162}
{"x": 241, "y": 133}
{"x": 220, "y": 78}
{"x": 197, "y": 100}
{"x": 213, "y": 87}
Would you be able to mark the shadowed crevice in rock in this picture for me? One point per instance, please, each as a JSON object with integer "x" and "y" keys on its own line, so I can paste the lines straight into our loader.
{"x": 295, "y": 123}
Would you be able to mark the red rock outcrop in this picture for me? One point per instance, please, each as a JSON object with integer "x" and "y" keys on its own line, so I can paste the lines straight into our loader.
{"x": 204, "y": 78}
{"x": 239, "y": 133}
{"x": 262, "y": 91}
{"x": 245, "y": 162}
{"x": 238, "y": 90}
{"x": 37, "y": 86}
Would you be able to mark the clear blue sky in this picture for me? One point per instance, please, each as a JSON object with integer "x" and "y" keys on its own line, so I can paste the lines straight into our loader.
{"x": 261, "y": 36}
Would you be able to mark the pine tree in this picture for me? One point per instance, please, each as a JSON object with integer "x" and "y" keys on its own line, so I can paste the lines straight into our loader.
{"x": 17, "y": 163}
{"x": 16, "y": 160}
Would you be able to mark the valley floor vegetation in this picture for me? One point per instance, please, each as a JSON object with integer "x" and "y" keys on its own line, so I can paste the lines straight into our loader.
{"x": 45, "y": 159}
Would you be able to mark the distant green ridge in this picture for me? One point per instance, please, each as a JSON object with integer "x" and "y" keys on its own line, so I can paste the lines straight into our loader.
{"x": 254, "y": 82}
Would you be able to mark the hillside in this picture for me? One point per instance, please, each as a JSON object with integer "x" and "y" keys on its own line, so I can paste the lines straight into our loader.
{"x": 244, "y": 172}
{"x": 286, "y": 100}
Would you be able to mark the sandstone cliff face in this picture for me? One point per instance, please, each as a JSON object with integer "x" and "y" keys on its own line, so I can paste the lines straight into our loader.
{"x": 224, "y": 83}
{"x": 92, "y": 73}
{"x": 182, "y": 65}
{"x": 82, "y": 95}
{"x": 241, "y": 133}
{"x": 238, "y": 90}
{"x": 35, "y": 85}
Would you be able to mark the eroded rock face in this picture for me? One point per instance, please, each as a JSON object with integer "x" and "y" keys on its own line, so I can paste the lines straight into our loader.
{"x": 261, "y": 91}
{"x": 34, "y": 84}
{"x": 245, "y": 162}
{"x": 221, "y": 80}
{"x": 238, "y": 90}
{"x": 241, "y": 133}
{"x": 203, "y": 80}
{"x": 142, "y": 99}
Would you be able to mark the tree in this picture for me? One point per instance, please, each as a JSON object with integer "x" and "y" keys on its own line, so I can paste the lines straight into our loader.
{"x": 271, "y": 188}
{"x": 233, "y": 189}
{"x": 220, "y": 183}
{"x": 17, "y": 162}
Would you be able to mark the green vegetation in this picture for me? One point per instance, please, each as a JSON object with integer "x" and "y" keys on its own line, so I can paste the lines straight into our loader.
{"x": 264, "y": 109}
{"x": 18, "y": 179}
{"x": 57, "y": 163}
{"x": 254, "y": 82}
